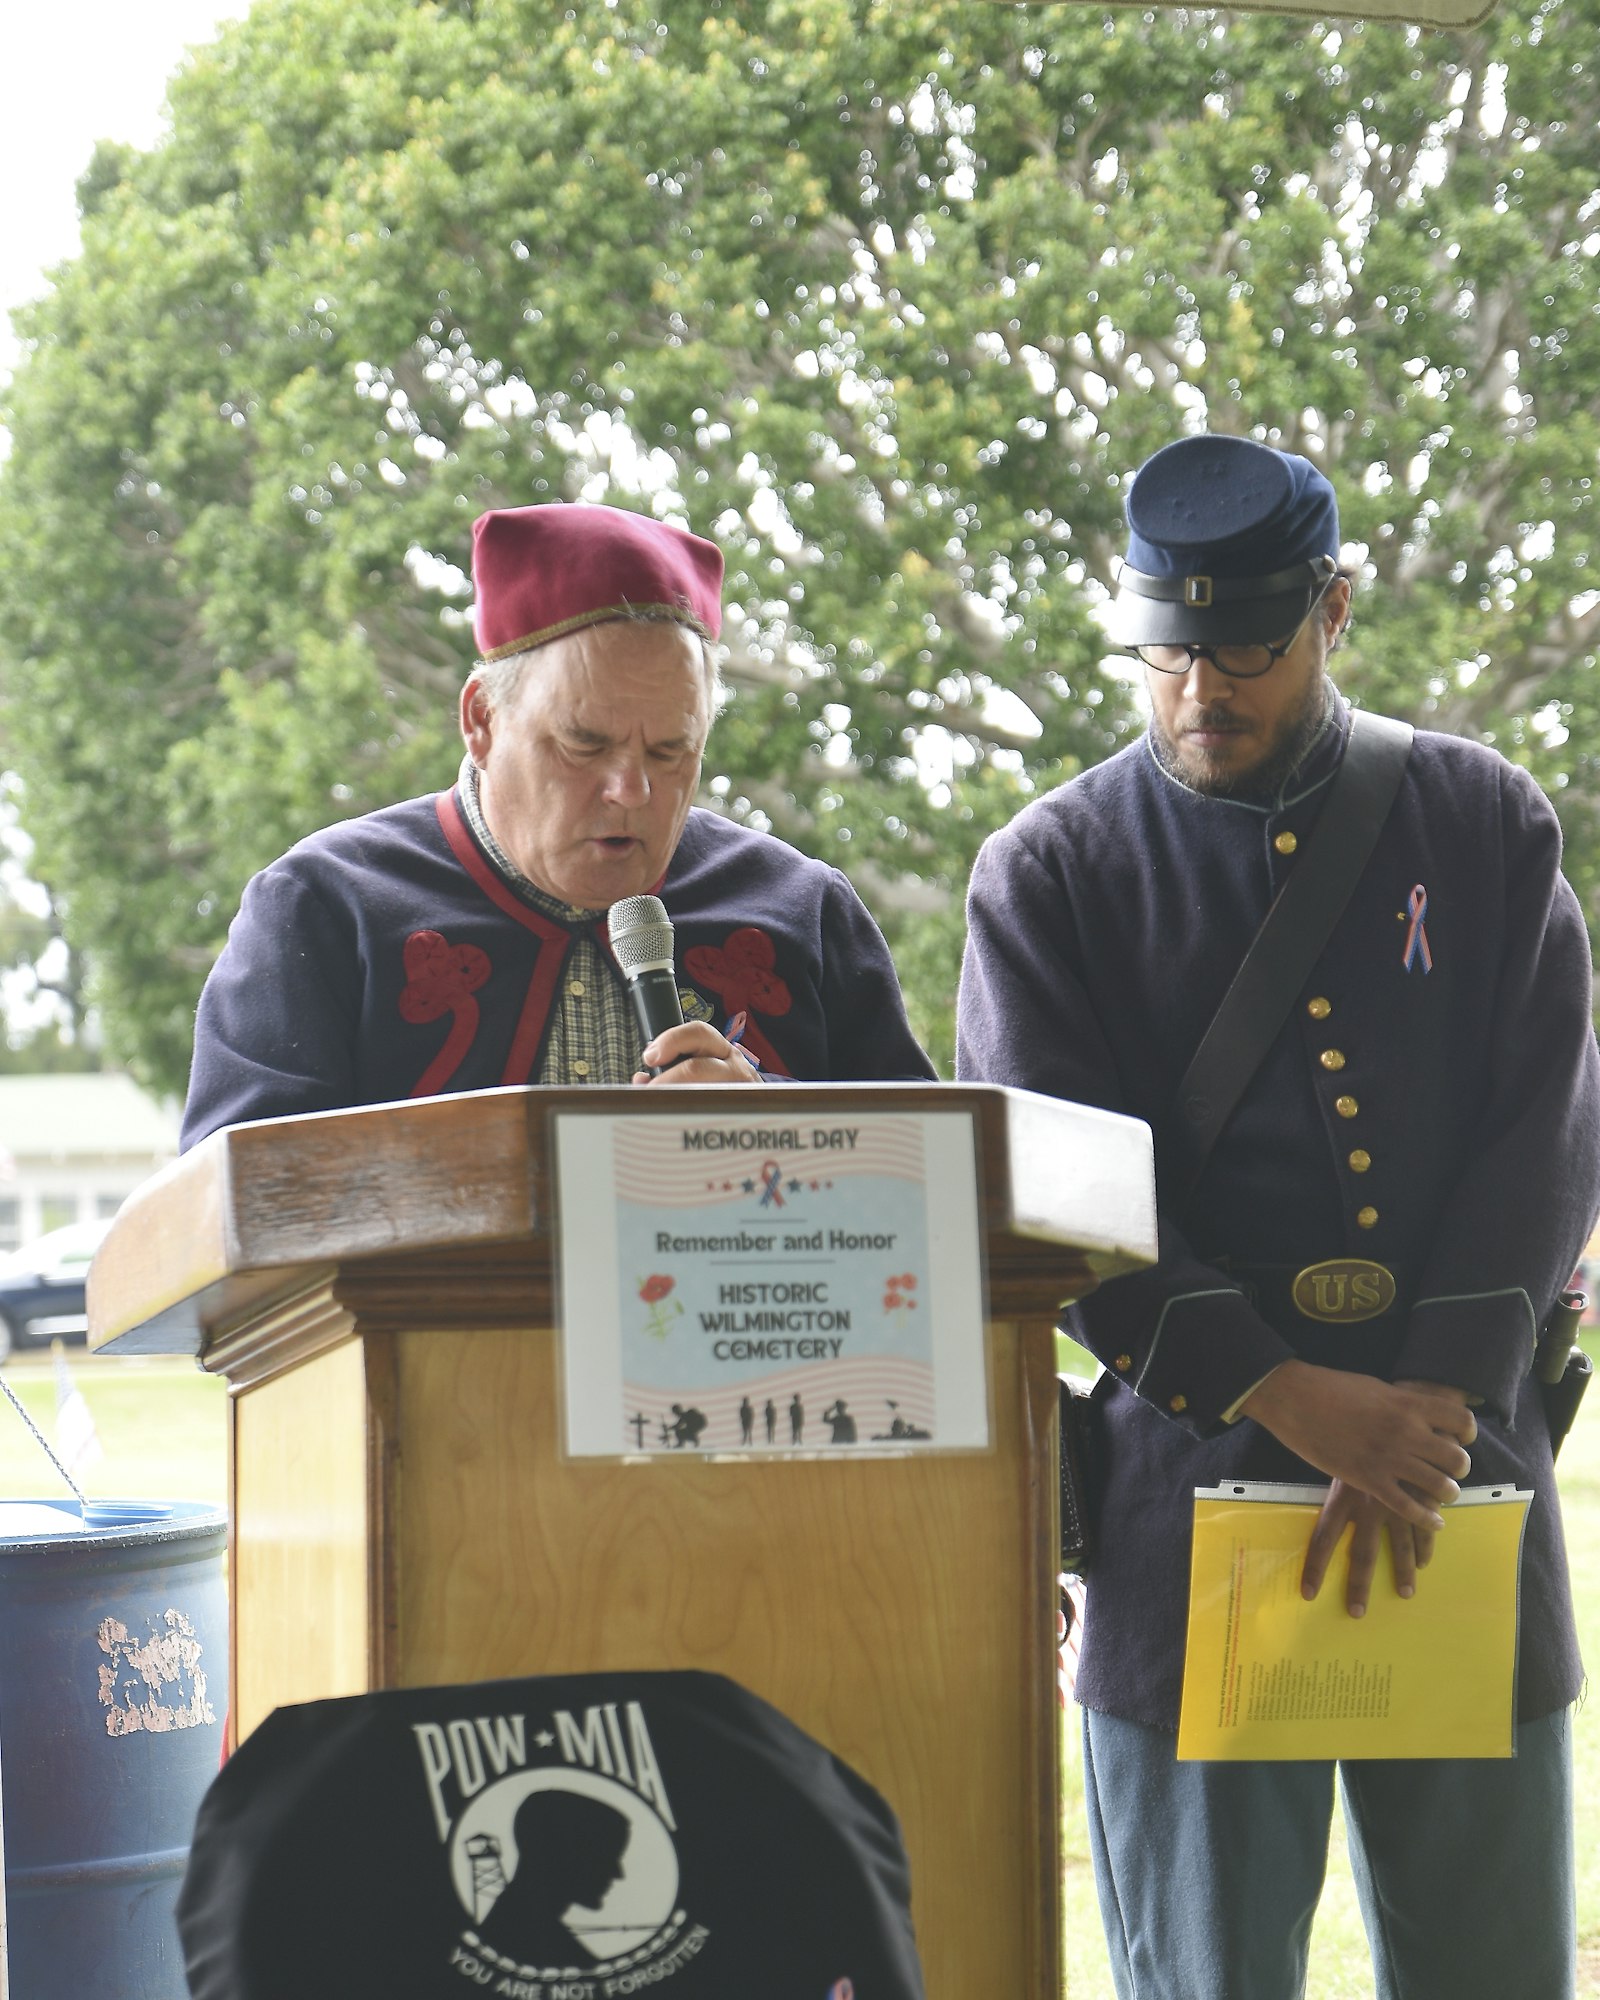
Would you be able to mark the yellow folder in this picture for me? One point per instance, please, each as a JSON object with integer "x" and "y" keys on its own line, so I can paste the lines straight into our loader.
{"x": 1267, "y": 1675}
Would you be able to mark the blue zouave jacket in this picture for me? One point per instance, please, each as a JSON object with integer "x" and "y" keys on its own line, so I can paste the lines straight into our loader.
{"x": 1432, "y": 1106}
{"x": 386, "y": 958}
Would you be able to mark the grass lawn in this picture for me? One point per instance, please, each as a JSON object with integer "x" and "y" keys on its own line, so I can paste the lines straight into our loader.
{"x": 161, "y": 1425}
{"x": 1339, "y": 1965}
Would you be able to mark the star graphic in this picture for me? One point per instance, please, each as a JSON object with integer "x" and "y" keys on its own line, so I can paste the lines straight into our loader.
{"x": 545, "y": 1740}
{"x": 749, "y": 1187}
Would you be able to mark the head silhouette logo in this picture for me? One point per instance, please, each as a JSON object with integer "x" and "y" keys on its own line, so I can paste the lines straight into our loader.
{"x": 560, "y": 1846}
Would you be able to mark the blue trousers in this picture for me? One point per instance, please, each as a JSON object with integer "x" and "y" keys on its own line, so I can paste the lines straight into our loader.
{"x": 1209, "y": 1873}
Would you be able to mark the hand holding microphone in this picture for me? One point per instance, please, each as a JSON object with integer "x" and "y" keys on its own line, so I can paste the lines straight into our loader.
{"x": 690, "y": 1052}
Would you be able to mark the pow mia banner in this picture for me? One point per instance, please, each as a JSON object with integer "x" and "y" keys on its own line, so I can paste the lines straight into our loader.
{"x": 757, "y": 1283}
{"x": 575, "y": 1837}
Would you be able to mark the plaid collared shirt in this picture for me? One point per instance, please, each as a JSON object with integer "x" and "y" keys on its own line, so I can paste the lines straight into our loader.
{"x": 593, "y": 1036}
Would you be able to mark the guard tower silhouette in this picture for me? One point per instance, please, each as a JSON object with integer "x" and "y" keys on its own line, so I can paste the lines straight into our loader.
{"x": 488, "y": 1876}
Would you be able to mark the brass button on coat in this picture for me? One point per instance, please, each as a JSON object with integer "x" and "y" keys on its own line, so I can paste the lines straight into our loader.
{"x": 1123, "y": 1363}
{"x": 1347, "y": 1107}
{"x": 1178, "y": 1405}
{"x": 1332, "y": 1059}
{"x": 1360, "y": 1160}
{"x": 1319, "y": 1009}
{"x": 1286, "y": 843}
{"x": 1366, "y": 1218}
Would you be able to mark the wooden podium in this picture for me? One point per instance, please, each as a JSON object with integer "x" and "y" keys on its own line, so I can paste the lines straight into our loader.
{"x": 377, "y": 1286}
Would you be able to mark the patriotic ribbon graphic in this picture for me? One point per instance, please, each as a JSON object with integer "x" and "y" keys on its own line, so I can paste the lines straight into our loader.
{"x": 1417, "y": 934}
{"x": 772, "y": 1184}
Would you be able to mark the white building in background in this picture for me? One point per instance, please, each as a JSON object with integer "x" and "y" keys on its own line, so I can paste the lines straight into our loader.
{"x": 73, "y": 1148}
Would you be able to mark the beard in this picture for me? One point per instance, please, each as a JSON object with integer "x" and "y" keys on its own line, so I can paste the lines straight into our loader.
{"x": 1261, "y": 781}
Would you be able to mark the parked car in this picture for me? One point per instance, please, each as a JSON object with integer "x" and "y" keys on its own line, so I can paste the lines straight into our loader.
{"x": 41, "y": 1287}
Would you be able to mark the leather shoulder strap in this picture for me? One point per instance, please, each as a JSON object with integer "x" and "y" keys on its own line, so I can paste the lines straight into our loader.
{"x": 1293, "y": 932}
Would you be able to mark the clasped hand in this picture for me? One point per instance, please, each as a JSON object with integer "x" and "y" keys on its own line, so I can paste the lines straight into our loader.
{"x": 1395, "y": 1452}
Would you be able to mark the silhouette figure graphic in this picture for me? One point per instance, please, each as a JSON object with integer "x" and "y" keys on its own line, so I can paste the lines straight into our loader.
{"x": 899, "y": 1427}
{"x": 686, "y": 1426}
{"x": 837, "y": 1416}
{"x": 569, "y": 1852}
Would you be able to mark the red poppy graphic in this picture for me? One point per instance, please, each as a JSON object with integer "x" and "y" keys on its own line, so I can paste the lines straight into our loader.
{"x": 654, "y": 1291}
{"x": 897, "y": 1293}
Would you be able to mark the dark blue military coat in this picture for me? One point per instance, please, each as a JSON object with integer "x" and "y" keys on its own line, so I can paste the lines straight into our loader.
{"x": 386, "y": 958}
{"x": 1433, "y": 1105}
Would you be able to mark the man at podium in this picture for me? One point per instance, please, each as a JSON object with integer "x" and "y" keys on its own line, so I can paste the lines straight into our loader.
{"x": 457, "y": 942}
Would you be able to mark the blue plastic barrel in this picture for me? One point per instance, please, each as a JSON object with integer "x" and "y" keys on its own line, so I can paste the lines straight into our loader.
{"x": 113, "y": 1688}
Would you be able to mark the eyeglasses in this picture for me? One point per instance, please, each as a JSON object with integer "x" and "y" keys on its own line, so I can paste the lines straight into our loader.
{"x": 1239, "y": 663}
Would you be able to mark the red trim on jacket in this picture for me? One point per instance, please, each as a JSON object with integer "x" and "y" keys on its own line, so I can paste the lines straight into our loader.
{"x": 531, "y": 1024}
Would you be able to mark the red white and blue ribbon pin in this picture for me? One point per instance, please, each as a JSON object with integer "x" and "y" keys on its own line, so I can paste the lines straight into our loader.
{"x": 1417, "y": 932}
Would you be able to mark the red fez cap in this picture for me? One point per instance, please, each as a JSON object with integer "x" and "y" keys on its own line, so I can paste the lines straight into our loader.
{"x": 543, "y": 571}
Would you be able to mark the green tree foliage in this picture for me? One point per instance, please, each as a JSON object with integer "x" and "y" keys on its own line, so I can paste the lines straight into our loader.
{"x": 887, "y": 296}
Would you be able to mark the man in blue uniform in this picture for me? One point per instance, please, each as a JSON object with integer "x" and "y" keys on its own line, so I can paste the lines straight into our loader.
{"x": 1431, "y": 1109}
{"x": 458, "y": 942}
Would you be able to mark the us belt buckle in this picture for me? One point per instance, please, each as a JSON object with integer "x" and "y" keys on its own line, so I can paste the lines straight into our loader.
{"x": 1342, "y": 1290}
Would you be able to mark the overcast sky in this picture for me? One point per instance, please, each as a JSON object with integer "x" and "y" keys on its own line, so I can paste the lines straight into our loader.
{"x": 77, "y": 71}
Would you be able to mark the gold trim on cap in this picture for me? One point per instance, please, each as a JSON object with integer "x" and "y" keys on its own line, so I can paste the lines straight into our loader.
{"x": 1197, "y": 592}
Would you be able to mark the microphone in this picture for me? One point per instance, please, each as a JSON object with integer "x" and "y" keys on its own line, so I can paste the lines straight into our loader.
{"x": 641, "y": 942}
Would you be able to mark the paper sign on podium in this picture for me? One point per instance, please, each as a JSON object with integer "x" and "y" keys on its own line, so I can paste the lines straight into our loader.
{"x": 1269, "y": 1675}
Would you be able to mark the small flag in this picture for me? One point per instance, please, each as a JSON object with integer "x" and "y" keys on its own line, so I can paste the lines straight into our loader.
{"x": 77, "y": 1441}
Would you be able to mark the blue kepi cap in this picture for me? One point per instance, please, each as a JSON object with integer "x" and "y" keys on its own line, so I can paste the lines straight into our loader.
{"x": 1229, "y": 543}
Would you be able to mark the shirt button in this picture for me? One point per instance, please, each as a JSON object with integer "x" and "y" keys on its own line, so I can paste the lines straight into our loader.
{"x": 1360, "y": 1160}
{"x": 1347, "y": 1107}
{"x": 1286, "y": 843}
{"x": 1319, "y": 1009}
{"x": 1123, "y": 1363}
{"x": 580, "y": 1069}
{"x": 576, "y": 989}
{"x": 1332, "y": 1059}
{"x": 1366, "y": 1218}
{"x": 1178, "y": 1405}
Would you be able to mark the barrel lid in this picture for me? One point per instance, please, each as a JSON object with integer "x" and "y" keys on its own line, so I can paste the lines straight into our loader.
{"x": 47, "y": 1523}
